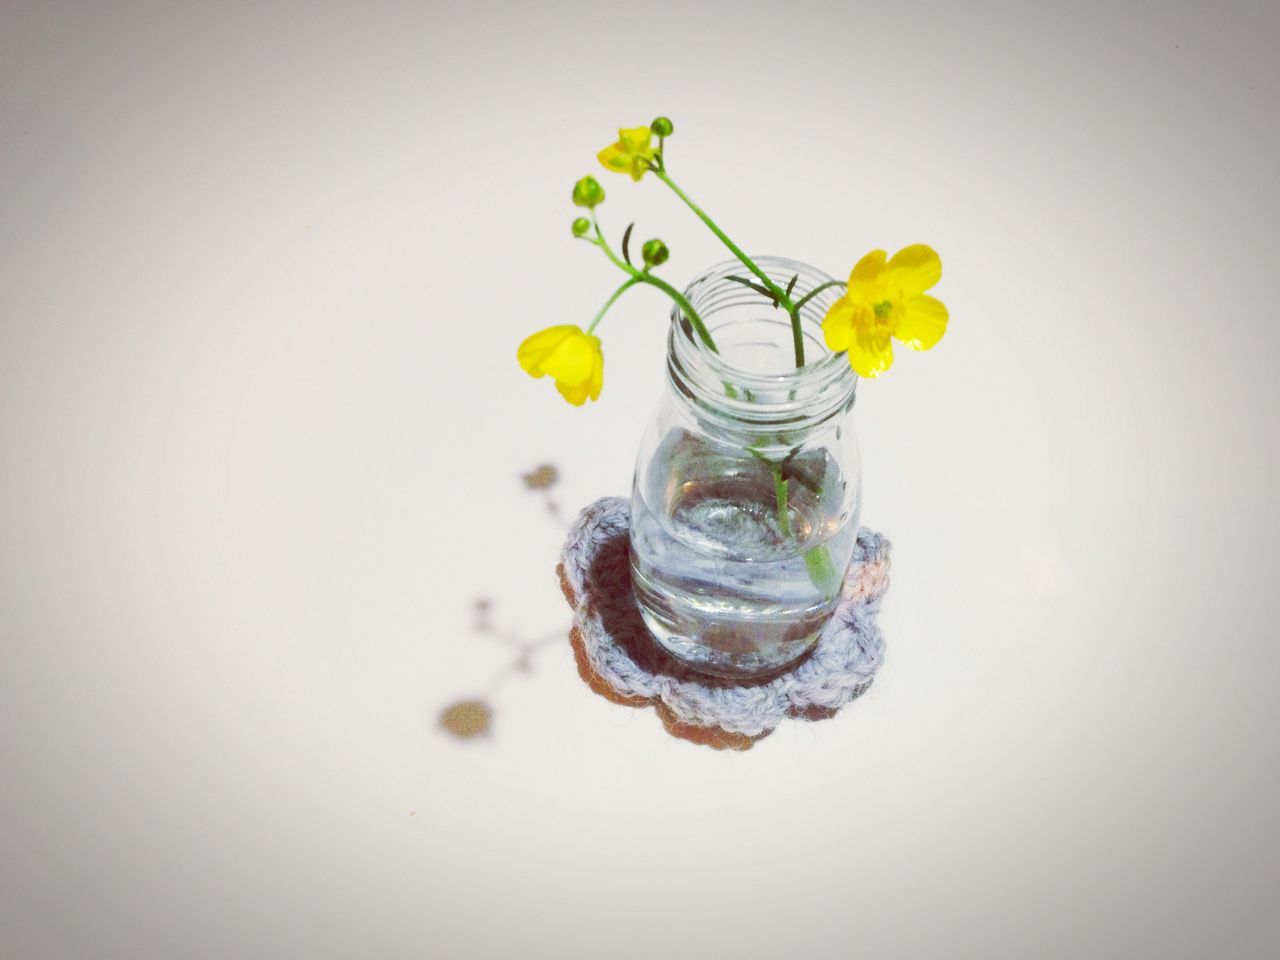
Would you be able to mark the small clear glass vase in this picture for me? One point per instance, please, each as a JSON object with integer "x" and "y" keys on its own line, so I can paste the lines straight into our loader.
{"x": 748, "y": 483}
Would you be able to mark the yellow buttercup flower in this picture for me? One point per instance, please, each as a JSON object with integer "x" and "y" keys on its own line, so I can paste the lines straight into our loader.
{"x": 573, "y": 358}
{"x": 631, "y": 154}
{"x": 887, "y": 300}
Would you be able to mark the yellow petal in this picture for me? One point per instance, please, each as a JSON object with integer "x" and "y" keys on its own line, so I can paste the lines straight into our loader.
{"x": 630, "y": 153}
{"x": 915, "y": 269}
{"x": 837, "y": 325}
{"x": 535, "y": 349}
{"x": 922, "y": 322}
{"x": 871, "y": 352}
{"x": 597, "y": 378}
{"x": 635, "y": 139}
{"x": 573, "y": 359}
{"x": 867, "y": 270}
{"x": 577, "y": 394}
{"x": 611, "y": 158}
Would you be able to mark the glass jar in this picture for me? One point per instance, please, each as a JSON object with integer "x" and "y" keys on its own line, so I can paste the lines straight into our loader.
{"x": 748, "y": 484}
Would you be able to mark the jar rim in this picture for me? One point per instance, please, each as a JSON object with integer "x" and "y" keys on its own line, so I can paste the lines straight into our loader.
{"x": 815, "y": 390}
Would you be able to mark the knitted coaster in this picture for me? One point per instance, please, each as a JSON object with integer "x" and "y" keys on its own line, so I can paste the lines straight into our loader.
{"x": 619, "y": 659}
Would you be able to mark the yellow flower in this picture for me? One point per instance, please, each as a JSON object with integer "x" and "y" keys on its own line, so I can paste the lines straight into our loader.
{"x": 572, "y": 357}
{"x": 887, "y": 300}
{"x": 631, "y": 153}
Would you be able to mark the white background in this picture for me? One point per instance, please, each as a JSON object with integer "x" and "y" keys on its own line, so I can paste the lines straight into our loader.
{"x": 263, "y": 270}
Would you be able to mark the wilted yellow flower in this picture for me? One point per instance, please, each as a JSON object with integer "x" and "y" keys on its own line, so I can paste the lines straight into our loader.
{"x": 572, "y": 357}
{"x": 631, "y": 154}
{"x": 887, "y": 300}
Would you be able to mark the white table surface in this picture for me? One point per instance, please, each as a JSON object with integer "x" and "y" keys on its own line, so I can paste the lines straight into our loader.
{"x": 263, "y": 269}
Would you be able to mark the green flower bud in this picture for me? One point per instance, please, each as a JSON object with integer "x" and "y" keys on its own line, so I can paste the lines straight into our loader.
{"x": 655, "y": 253}
{"x": 588, "y": 193}
{"x": 662, "y": 127}
{"x": 581, "y": 226}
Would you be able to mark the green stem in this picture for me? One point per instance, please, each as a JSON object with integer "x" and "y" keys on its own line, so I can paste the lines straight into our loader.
{"x": 780, "y": 494}
{"x": 627, "y": 284}
{"x": 603, "y": 244}
{"x": 747, "y": 262}
{"x": 797, "y": 337}
{"x": 815, "y": 291}
{"x": 822, "y": 572}
{"x": 644, "y": 276}
{"x": 685, "y": 306}
{"x": 817, "y": 560}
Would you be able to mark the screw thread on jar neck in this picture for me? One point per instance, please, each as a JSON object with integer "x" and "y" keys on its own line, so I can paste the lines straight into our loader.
{"x": 751, "y": 384}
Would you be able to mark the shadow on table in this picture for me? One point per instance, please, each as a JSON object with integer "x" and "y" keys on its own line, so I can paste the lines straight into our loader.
{"x": 608, "y": 582}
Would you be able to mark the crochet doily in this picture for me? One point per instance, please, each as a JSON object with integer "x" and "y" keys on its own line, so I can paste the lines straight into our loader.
{"x": 619, "y": 659}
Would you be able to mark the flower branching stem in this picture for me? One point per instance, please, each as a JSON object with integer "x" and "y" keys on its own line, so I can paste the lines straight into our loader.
{"x": 644, "y": 276}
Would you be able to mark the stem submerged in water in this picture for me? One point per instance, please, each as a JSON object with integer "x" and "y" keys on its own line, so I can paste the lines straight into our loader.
{"x": 822, "y": 571}
{"x": 817, "y": 561}
{"x": 780, "y": 493}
